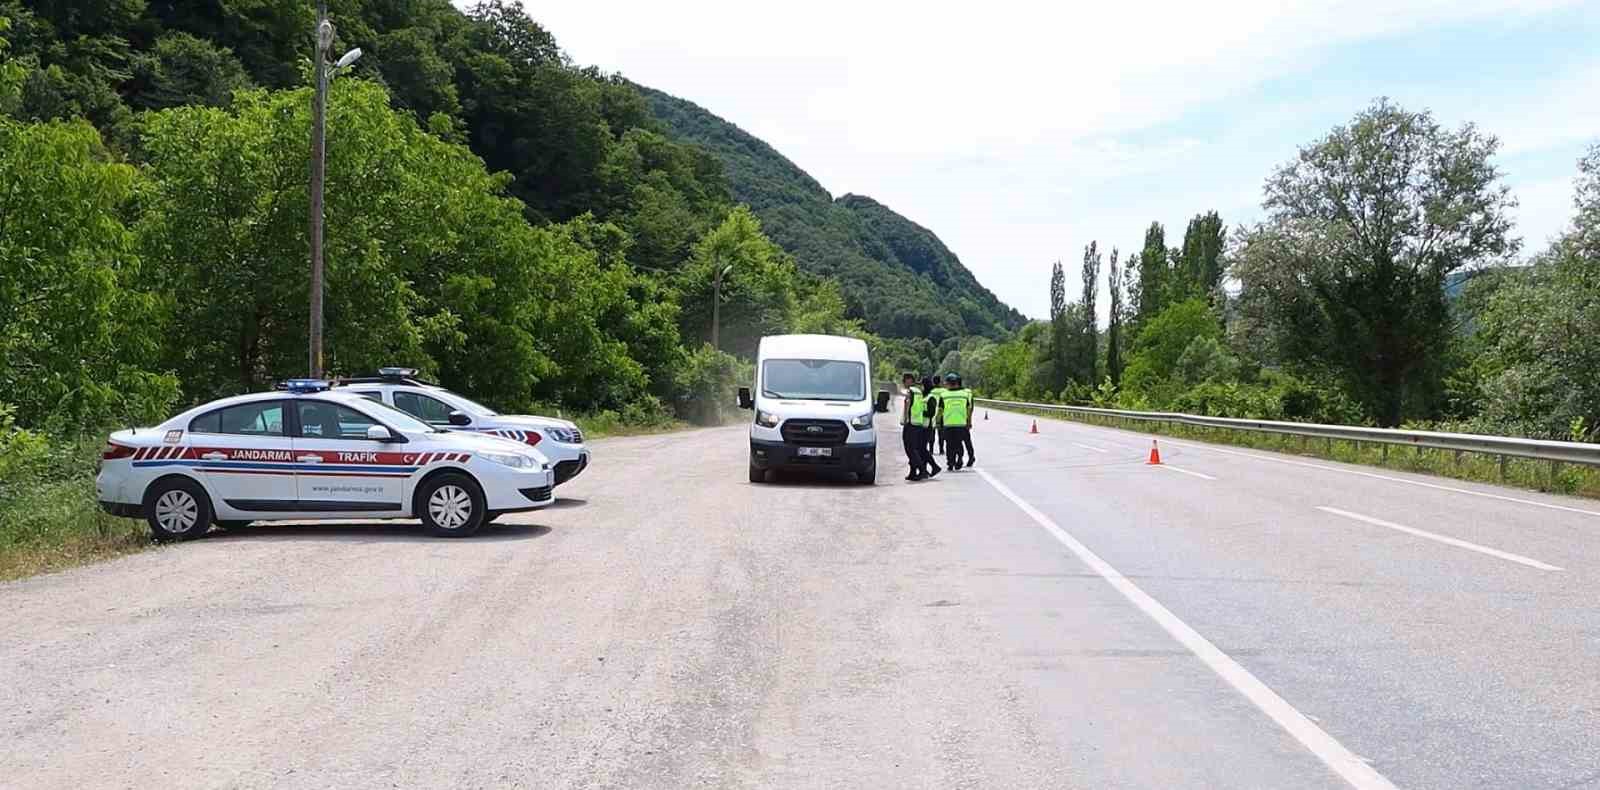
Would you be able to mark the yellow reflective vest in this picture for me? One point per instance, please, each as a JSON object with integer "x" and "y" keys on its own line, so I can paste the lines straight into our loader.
{"x": 919, "y": 409}
{"x": 956, "y": 408}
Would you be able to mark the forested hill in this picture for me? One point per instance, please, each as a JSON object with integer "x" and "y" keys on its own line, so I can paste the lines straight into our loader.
{"x": 896, "y": 274}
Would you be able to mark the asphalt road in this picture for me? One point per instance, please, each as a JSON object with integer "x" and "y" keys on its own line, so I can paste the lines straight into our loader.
{"x": 1065, "y": 616}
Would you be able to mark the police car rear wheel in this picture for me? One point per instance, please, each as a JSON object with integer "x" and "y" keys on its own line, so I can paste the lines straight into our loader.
{"x": 452, "y": 506}
{"x": 177, "y": 509}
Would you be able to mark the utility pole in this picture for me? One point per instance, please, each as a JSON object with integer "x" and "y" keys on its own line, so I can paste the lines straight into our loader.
{"x": 319, "y": 159}
{"x": 716, "y": 303}
{"x": 319, "y": 112}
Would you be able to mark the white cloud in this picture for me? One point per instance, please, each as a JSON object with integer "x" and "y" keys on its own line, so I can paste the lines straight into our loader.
{"x": 1015, "y": 130}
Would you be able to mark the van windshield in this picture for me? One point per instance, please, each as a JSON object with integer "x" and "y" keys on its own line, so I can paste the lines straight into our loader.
{"x": 814, "y": 379}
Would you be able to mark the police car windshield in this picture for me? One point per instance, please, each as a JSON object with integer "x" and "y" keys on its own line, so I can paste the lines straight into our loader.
{"x": 473, "y": 407}
{"x": 397, "y": 419}
{"x": 814, "y": 379}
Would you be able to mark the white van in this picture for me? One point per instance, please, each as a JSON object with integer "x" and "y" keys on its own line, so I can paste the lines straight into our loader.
{"x": 813, "y": 408}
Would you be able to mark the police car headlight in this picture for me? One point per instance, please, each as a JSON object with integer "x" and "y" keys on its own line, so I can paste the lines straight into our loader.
{"x": 513, "y": 460}
{"x": 766, "y": 419}
{"x": 861, "y": 423}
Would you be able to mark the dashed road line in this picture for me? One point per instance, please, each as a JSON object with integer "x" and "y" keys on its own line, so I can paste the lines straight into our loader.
{"x": 1171, "y": 468}
{"x": 1445, "y": 539}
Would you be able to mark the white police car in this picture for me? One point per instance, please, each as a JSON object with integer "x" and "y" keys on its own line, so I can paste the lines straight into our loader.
{"x": 305, "y": 452}
{"x": 560, "y": 440}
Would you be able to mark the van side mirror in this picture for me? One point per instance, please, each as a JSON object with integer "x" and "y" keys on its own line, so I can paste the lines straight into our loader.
{"x": 881, "y": 405}
{"x": 745, "y": 401}
{"x": 459, "y": 419}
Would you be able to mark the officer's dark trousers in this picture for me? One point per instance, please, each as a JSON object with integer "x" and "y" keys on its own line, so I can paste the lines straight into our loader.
{"x": 955, "y": 439}
{"x": 911, "y": 437}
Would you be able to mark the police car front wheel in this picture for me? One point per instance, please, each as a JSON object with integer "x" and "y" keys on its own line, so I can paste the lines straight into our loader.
{"x": 452, "y": 506}
{"x": 177, "y": 509}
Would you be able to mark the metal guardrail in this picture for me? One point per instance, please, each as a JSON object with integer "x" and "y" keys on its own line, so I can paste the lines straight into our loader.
{"x": 1537, "y": 449}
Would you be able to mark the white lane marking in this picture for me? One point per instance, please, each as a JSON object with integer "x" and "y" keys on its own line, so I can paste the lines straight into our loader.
{"x": 1377, "y": 476}
{"x": 1091, "y": 447}
{"x": 1333, "y": 754}
{"x": 1171, "y": 468}
{"x": 1445, "y": 539}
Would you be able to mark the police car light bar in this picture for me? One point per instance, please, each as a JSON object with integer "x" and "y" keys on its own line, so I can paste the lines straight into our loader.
{"x": 397, "y": 373}
{"x": 304, "y": 385}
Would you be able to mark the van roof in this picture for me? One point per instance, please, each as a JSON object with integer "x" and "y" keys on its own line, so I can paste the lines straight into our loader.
{"x": 813, "y": 347}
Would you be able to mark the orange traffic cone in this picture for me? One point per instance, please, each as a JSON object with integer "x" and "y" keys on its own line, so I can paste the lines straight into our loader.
{"x": 1155, "y": 454}
{"x": 1035, "y": 428}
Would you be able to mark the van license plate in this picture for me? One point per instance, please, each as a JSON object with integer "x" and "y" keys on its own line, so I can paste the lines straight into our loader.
{"x": 821, "y": 452}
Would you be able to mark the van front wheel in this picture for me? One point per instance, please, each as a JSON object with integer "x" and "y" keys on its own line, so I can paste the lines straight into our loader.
{"x": 757, "y": 474}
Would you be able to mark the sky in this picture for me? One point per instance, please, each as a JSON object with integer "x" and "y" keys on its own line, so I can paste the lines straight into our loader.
{"x": 1019, "y": 132}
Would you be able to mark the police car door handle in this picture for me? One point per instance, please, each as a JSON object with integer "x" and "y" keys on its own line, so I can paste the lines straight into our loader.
{"x": 215, "y": 456}
{"x": 309, "y": 459}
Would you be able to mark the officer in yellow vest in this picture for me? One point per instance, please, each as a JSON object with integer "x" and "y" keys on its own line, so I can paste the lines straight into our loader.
{"x": 917, "y": 422}
{"x": 938, "y": 418}
{"x": 956, "y": 408}
{"x": 915, "y": 418}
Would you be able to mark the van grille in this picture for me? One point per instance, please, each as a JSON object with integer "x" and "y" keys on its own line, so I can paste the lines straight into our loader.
{"x": 815, "y": 433}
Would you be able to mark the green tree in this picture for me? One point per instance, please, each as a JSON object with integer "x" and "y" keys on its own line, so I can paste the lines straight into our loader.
{"x": 759, "y": 292}
{"x": 1060, "y": 332}
{"x": 1199, "y": 270}
{"x": 1364, "y": 226}
{"x": 1206, "y": 359}
{"x": 1088, "y": 338}
{"x": 226, "y": 233}
{"x": 1152, "y": 267}
{"x": 78, "y": 331}
{"x": 1538, "y": 335}
{"x": 421, "y": 79}
{"x": 182, "y": 69}
{"x": 1153, "y": 371}
{"x": 1115, "y": 281}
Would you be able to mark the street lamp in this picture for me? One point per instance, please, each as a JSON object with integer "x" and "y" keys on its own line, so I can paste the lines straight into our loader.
{"x": 319, "y": 116}
{"x": 716, "y": 303}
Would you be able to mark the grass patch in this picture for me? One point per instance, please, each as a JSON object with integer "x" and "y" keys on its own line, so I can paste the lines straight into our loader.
{"x": 609, "y": 424}
{"x": 1524, "y": 473}
{"x": 49, "y": 516}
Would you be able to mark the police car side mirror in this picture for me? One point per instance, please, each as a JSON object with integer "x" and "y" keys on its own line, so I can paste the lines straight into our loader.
{"x": 745, "y": 401}
{"x": 882, "y": 403}
{"x": 459, "y": 418}
{"x": 379, "y": 433}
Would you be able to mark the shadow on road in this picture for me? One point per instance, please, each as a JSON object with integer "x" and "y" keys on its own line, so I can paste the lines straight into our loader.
{"x": 562, "y": 503}
{"x": 819, "y": 479}
{"x": 370, "y": 532}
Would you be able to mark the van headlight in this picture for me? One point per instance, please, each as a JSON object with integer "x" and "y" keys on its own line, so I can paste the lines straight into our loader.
{"x": 766, "y": 419}
{"x": 861, "y": 423}
{"x": 513, "y": 460}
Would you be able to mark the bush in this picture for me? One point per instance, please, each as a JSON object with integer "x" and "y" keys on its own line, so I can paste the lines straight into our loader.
{"x": 49, "y": 517}
{"x": 1273, "y": 396}
{"x": 1230, "y": 399}
{"x": 707, "y": 384}
{"x": 23, "y": 453}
